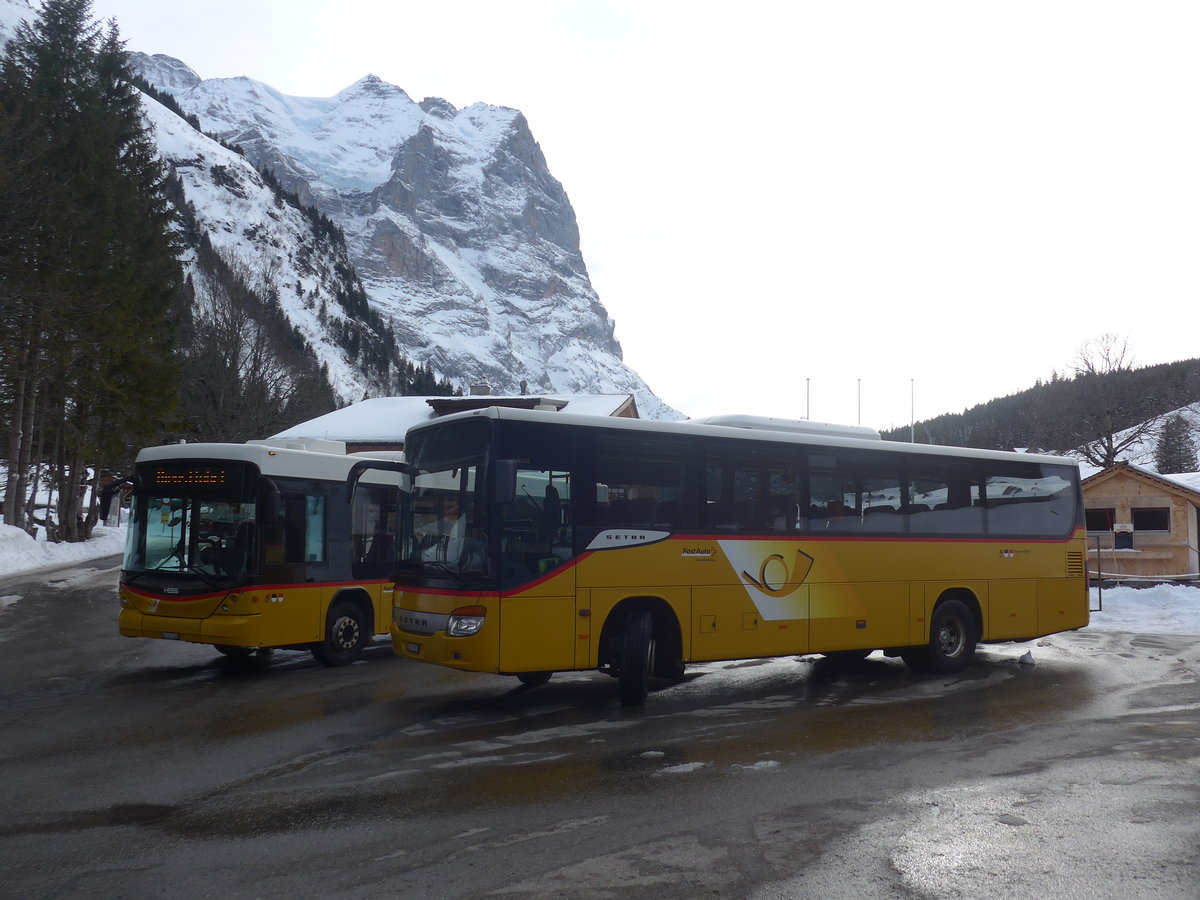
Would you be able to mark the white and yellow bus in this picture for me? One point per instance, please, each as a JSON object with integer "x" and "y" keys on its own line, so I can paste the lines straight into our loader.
{"x": 544, "y": 542}
{"x": 254, "y": 546}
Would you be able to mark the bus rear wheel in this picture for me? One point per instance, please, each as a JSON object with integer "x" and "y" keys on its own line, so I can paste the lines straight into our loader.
{"x": 533, "y": 679}
{"x": 952, "y": 640}
{"x": 637, "y": 658}
{"x": 346, "y": 635}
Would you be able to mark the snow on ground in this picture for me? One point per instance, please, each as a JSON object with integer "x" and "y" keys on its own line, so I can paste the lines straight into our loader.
{"x": 1158, "y": 609}
{"x": 21, "y": 553}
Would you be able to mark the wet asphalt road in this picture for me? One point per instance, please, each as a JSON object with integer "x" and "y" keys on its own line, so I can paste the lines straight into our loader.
{"x": 136, "y": 768}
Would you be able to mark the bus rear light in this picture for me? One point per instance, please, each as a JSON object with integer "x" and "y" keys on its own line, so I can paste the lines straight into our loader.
{"x": 465, "y": 621}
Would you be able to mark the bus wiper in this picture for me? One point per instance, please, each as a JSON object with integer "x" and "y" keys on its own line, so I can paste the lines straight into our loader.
{"x": 445, "y": 569}
{"x": 192, "y": 569}
{"x": 207, "y": 577}
{"x": 176, "y": 555}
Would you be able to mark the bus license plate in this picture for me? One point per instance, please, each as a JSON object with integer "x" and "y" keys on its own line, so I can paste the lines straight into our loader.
{"x": 413, "y": 648}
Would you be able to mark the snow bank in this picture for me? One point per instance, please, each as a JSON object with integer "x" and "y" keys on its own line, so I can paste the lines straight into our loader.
{"x": 1160, "y": 609}
{"x": 21, "y": 553}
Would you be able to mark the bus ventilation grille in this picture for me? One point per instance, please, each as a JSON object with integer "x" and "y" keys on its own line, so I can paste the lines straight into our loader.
{"x": 1075, "y": 565}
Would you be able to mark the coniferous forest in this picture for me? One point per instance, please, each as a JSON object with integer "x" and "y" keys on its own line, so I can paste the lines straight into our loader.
{"x": 88, "y": 265}
{"x": 1080, "y": 413}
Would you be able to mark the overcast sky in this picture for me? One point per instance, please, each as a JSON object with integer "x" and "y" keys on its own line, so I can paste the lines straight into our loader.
{"x": 845, "y": 210}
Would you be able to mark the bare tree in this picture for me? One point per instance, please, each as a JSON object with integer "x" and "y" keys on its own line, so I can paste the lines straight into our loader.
{"x": 240, "y": 381}
{"x": 1109, "y": 412}
{"x": 1106, "y": 354}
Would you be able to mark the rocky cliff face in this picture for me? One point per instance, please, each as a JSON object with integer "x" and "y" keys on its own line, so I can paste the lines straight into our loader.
{"x": 464, "y": 240}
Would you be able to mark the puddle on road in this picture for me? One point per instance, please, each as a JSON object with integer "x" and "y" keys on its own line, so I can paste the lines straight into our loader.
{"x": 727, "y": 720}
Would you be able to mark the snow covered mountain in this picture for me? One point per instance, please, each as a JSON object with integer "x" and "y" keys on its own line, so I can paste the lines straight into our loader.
{"x": 463, "y": 239}
{"x": 465, "y": 244}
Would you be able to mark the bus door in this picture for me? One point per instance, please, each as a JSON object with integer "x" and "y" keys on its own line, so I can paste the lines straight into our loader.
{"x": 754, "y": 600}
{"x": 296, "y": 563}
{"x": 538, "y": 604}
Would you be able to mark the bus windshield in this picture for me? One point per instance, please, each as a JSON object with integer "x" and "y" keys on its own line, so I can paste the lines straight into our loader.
{"x": 197, "y": 520}
{"x": 448, "y": 533}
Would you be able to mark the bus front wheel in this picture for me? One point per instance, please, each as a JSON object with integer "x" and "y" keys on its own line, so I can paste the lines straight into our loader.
{"x": 952, "y": 640}
{"x": 533, "y": 679}
{"x": 346, "y": 635}
{"x": 637, "y": 658}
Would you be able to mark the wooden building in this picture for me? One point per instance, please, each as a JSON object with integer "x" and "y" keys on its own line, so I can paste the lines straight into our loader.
{"x": 1141, "y": 524}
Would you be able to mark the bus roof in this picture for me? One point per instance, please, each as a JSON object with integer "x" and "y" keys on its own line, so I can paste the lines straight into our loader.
{"x": 753, "y": 428}
{"x": 283, "y": 458}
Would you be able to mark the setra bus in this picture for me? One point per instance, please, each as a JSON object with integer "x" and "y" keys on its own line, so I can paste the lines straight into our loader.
{"x": 253, "y": 546}
{"x": 542, "y": 542}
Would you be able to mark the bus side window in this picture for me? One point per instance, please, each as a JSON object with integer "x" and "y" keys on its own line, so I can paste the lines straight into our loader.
{"x": 294, "y": 521}
{"x": 883, "y": 498}
{"x": 314, "y": 529}
{"x": 832, "y": 498}
{"x": 944, "y": 499}
{"x": 373, "y": 531}
{"x": 298, "y": 535}
{"x": 1029, "y": 498}
{"x": 643, "y": 483}
{"x": 782, "y": 508}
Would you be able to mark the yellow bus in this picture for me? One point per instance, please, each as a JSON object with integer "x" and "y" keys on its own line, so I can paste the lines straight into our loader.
{"x": 544, "y": 542}
{"x": 254, "y": 546}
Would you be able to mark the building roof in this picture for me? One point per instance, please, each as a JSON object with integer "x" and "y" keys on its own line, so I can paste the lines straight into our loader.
{"x": 385, "y": 420}
{"x": 1187, "y": 483}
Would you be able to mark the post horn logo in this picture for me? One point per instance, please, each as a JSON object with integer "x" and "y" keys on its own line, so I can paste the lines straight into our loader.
{"x": 775, "y": 579}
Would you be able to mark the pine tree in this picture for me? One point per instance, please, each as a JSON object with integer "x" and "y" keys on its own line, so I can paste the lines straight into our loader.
{"x": 1175, "y": 451}
{"x": 89, "y": 265}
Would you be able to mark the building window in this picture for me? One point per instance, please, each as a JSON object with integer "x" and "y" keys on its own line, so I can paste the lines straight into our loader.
{"x": 1100, "y": 519}
{"x": 1152, "y": 519}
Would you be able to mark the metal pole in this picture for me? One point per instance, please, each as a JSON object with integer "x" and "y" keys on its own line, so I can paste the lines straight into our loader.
{"x": 860, "y": 401}
{"x": 912, "y": 410}
{"x": 807, "y": 399}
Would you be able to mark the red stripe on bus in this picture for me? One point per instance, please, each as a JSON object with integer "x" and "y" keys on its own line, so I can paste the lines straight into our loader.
{"x": 250, "y": 588}
{"x": 873, "y": 538}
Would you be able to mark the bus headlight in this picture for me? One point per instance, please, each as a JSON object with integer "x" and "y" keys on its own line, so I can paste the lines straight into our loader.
{"x": 465, "y": 621}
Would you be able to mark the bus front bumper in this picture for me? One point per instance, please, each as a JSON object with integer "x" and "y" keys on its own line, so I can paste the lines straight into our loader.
{"x": 236, "y": 631}
{"x": 471, "y": 654}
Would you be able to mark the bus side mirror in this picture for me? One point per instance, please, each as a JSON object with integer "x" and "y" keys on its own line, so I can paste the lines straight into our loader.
{"x": 406, "y": 474}
{"x": 504, "y": 490}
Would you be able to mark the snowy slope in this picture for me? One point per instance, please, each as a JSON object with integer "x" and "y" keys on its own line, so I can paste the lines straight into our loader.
{"x": 238, "y": 212}
{"x": 462, "y": 237}
{"x": 1141, "y": 453}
